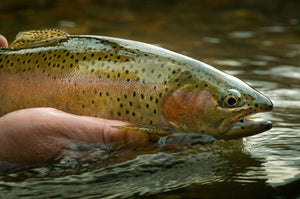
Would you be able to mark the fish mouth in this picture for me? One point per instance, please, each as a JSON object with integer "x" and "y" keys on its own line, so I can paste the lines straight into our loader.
{"x": 241, "y": 125}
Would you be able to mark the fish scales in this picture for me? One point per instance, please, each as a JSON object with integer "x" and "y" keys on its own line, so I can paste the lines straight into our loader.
{"x": 122, "y": 84}
{"x": 114, "y": 79}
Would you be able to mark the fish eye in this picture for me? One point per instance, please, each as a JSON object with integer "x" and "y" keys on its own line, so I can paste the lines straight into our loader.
{"x": 232, "y": 98}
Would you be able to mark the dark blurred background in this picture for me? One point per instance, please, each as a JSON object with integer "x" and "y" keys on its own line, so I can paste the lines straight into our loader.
{"x": 145, "y": 19}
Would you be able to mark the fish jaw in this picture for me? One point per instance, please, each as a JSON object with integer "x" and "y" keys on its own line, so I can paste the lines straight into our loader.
{"x": 245, "y": 127}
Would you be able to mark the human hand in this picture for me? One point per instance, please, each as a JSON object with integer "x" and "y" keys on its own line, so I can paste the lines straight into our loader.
{"x": 3, "y": 42}
{"x": 40, "y": 135}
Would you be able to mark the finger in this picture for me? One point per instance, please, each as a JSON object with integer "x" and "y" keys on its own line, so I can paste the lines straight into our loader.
{"x": 92, "y": 130}
{"x": 38, "y": 135}
{"x": 3, "y": 42}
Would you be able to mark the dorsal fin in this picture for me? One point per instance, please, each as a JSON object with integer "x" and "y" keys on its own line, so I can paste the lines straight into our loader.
{"x": 26, "y": 38}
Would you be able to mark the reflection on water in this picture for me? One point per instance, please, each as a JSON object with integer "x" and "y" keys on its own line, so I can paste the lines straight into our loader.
{"x": 257, "y": 41}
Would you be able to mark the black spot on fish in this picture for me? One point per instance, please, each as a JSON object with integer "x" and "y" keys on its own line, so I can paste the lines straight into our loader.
{"x": 133, "y": 114}
{"x": 119, "y": 114}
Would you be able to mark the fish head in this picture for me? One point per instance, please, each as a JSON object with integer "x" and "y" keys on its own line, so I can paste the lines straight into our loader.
{"x": 219, "y": 106}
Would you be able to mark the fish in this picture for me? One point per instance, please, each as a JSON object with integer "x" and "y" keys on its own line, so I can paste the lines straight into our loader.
{"x": 158, "y": 91}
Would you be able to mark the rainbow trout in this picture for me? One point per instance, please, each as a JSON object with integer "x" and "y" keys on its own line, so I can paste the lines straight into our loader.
{"x": 156, "y": 90}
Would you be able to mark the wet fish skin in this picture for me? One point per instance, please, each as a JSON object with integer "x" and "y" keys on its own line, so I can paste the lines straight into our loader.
{"x": 126, "y": 80}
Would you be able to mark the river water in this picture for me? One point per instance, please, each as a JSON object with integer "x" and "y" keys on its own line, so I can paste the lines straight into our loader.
{"x": 258, "y": 42}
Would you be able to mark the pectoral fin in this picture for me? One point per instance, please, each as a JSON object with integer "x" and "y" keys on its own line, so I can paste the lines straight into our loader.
{"x": 158, "y": 131}
{"x": 33, "y": 38}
